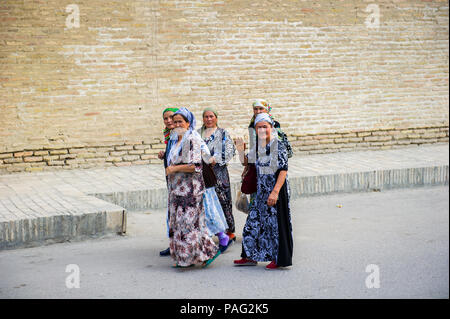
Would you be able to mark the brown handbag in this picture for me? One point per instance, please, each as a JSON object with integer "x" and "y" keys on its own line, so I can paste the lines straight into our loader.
{"x": 209, "y": 177}
{"x": 249, "y": 181}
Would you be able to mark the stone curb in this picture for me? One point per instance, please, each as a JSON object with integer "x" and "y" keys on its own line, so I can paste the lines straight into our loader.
{"x": 374, "y": 180}
{"x": 61, "y": 227}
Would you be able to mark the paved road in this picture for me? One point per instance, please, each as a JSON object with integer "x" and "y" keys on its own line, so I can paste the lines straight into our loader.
{"x": 404, "y": 233}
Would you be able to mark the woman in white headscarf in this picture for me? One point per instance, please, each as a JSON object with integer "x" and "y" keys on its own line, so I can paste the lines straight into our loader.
{"x": 260, "y": 106}
{"x": 190, "y": 242}
{"x": 267, "y": 234}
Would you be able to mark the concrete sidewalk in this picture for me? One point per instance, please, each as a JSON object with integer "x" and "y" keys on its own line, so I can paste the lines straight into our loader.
{"x": 38, "y": 208}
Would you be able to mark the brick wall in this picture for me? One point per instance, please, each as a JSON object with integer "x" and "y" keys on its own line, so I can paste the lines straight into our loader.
{"x": 93, "y": 95}
{"x": 125, "y": 154}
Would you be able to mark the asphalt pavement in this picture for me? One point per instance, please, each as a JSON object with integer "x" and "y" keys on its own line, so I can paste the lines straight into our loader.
{"x": 388, "y": 244}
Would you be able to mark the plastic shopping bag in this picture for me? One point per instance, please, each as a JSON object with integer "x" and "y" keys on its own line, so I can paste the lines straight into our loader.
{"x": 242, "y": 203}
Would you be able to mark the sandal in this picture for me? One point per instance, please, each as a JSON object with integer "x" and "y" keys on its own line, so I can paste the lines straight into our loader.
{"x": 232, "y": 236}
{"x": 209, "y": 261}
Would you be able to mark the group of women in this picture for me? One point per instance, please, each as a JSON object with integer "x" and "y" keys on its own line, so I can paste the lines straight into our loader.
{"x": 200, "y": 202}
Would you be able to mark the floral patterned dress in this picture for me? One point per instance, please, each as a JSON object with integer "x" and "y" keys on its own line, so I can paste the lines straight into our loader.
{"x": 189, "y": 239}
{"x": 221, "y": 146}
{"x": 267, "y": 233}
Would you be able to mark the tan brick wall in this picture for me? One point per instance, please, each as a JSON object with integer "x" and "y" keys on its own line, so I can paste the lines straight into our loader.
{"x": 327, "y": 75}
{"x": 144, "y": 153}
{"x": 367, "y": 140}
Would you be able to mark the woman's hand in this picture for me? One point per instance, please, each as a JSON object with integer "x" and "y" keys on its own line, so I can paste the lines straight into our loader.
{"x": 244, "y": 172}
{"x": 273, "y": 197}
{"x": 240, "y": 145}
{"x": 171, "y": 169}
{"x": 161, "y": 155}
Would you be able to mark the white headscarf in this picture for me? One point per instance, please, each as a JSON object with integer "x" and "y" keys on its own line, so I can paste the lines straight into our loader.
{"x": 175, "y": 151}
{"x": 263, "y": 117}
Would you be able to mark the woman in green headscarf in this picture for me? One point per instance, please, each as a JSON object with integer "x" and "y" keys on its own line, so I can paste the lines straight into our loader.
{"x": 168, "y": 126}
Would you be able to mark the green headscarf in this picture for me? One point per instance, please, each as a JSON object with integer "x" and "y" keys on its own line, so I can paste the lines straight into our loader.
{"x": 166, "y": 131}
{"x": 173, "y": 109}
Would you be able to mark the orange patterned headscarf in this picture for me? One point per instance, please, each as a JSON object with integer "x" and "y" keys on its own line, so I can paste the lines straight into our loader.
{"x": 261, "y": 103}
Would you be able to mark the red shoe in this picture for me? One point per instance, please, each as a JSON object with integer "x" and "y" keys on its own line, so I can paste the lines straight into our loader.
{"x": 272, "y": 265}
{"x": 232, "y": 236}
{"x": 245, "y": 262}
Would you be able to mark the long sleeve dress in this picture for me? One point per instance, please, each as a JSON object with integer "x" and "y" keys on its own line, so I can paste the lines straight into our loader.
{"x": 221, "y": 146}
{"x": 267, "y": 234}
{"x": 189, "y": 239}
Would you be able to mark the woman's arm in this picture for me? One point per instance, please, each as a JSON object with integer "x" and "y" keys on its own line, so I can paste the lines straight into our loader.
{"x": 184, "y": 168}
{"x": 240, "y": 146}
{"x": 273, "y": 197}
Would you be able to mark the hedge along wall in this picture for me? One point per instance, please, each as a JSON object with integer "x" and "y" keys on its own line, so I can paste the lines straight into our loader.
{"x": 340, "y": 75}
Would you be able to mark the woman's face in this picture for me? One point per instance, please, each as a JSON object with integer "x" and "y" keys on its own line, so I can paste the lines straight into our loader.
{"x": 258, "y": 109}
{"x": 168, "y": 119}
{"x": 263, "y": 129}
{"x": 209, "y": 119}
{"x": 181, "y": 125}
